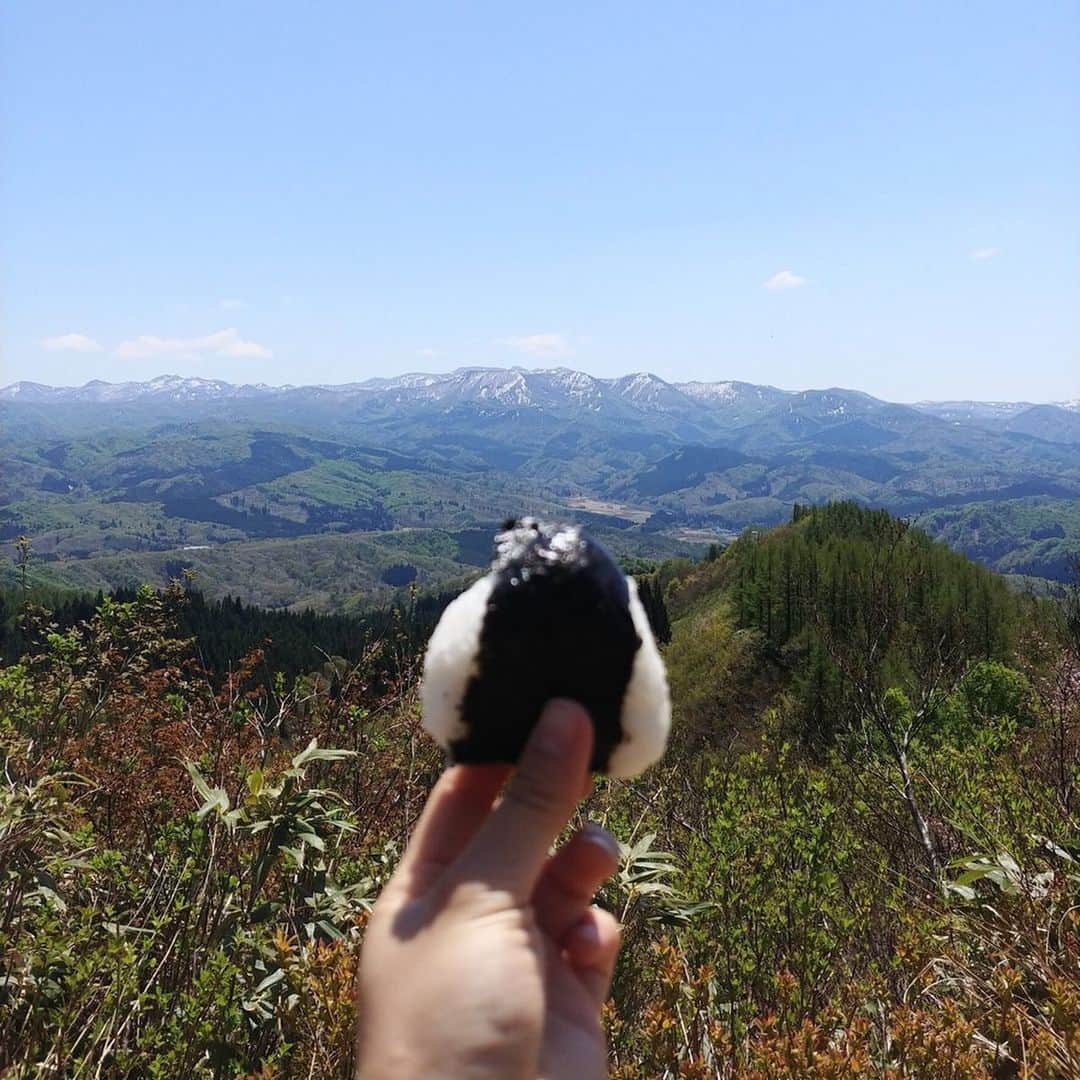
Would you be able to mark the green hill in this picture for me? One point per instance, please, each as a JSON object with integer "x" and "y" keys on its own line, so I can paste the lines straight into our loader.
{"x": 113, "y": 483}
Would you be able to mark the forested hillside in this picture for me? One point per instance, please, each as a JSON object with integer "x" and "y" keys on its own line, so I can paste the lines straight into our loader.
{"x": 289, "y": 644}
{"x": 334, "y": 498}
{"x": 858, "y": 859}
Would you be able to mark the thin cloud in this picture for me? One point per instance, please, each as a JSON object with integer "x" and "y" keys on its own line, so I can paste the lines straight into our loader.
{"x": 223, "y": 343}
{"x": 982, "y": 254}
{"x": 232, "y": 305}
{"x": 427, "y": 354}
{"x": 539, "y": 344}
{"x": 785, "y": 279}
{"x": 250, "y": 350}
{"x": 71, "y": 343}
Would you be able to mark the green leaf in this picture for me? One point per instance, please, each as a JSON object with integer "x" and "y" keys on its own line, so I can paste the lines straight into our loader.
{"x": 313, "y": 753}
{"x": 271, "y": 980}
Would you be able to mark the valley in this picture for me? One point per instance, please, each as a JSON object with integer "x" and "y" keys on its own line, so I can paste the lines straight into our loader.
{"x": 336, "y": 497}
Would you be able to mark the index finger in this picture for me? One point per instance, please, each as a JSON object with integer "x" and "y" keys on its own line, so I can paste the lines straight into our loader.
{"x": 457, "y": 805}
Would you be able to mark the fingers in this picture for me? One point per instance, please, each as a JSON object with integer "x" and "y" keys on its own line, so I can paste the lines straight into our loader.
{"x": 592, "y": 946}
{"x": 571, "y": 877}
{"x": 512, "y": 845}
{"x": 455, "y": 809}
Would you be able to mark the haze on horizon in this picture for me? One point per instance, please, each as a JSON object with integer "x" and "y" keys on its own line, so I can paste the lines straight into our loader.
{"x": 884, "y": 201}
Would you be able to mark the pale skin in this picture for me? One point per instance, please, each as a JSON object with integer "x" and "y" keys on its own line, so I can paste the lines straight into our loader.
{"x": 484, "y": 957}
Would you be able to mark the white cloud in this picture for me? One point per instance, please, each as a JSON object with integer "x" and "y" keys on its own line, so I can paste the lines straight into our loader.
{"x": 539, "y": 344}
{"x": 71, "y": 343}
{"x": 426, "y": 353}
{"x": 248, "y": 349}
{"x": 785, "y": 279}
{"x": 223, "y": 343}
{"x": 982, "y": 254}
{"x": 232, "y": 305}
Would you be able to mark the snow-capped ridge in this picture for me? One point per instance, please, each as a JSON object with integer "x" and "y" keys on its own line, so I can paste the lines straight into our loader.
{"x": 162, "y": 387}
{"x": 559, "y": 389}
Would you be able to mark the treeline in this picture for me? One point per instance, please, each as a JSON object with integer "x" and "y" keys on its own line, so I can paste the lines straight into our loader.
{"x": 849, "y": 598}
{"x": 295, "y": 643}
{"x": 291, "y": 643}
{"x": 66, "y": 608}
{"x": 225, "y": 631}
{"x": 844, "y": 569}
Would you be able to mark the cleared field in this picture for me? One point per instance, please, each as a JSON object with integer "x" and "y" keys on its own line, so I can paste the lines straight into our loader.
{"x": 607, "y": 506}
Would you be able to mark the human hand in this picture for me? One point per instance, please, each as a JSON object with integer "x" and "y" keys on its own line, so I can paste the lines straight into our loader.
{"x": 483, "y": 957}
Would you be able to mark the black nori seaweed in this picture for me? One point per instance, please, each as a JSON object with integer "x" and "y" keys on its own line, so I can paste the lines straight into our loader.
{"x": 557, "y": 624}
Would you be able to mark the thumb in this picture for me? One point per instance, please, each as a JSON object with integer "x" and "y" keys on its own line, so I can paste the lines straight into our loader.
{"x": 511, "y": 847}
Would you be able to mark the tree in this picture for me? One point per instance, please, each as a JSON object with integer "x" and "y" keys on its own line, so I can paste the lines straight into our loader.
{"x": 900, "y": 653}
{"x": 651, "y": 594}
{"x": 1071, "y": 604}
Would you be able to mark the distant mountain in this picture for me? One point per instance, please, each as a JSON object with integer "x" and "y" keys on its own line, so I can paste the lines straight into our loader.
{"x": 973, "y": 410}
{"x": 509, "y": 386}
{"x": 1058, "y": 423}
{"x": 1055, "y": 422}
{"x": 118, "y": 482}
{"x": 471, "y": 407}
{"x": 163, "y": 388}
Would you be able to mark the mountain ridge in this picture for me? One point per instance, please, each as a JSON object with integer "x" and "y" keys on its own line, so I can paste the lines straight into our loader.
{"x": 493, "y": 382}
{"x": 114, "y": 482}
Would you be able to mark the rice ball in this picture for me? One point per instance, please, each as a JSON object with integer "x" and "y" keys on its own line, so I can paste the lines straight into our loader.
{"x": 555, "y": 618}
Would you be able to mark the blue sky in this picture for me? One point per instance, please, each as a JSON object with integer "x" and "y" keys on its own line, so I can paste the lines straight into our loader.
{"x": 883, "y": 197}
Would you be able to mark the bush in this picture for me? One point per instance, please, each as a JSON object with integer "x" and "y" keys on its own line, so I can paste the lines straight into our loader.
{"x": 187, "y": 862}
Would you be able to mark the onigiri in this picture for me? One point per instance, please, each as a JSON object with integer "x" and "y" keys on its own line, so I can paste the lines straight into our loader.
{"x": 555, "y": 618}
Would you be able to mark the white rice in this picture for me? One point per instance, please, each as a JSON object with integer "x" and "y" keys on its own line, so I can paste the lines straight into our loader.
{"x": 451, "y": 661}
{"x": 646, "y": 707}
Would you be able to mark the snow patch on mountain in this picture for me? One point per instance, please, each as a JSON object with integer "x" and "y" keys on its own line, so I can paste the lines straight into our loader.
{"x": 561, "y": 390}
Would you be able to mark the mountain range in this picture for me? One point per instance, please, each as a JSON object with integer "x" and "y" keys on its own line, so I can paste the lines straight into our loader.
{"x": 116, "y": 482}
{"x": 724, "y": 403}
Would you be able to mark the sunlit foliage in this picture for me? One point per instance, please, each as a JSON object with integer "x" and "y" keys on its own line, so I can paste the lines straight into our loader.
{"x": 859, "y": 859}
